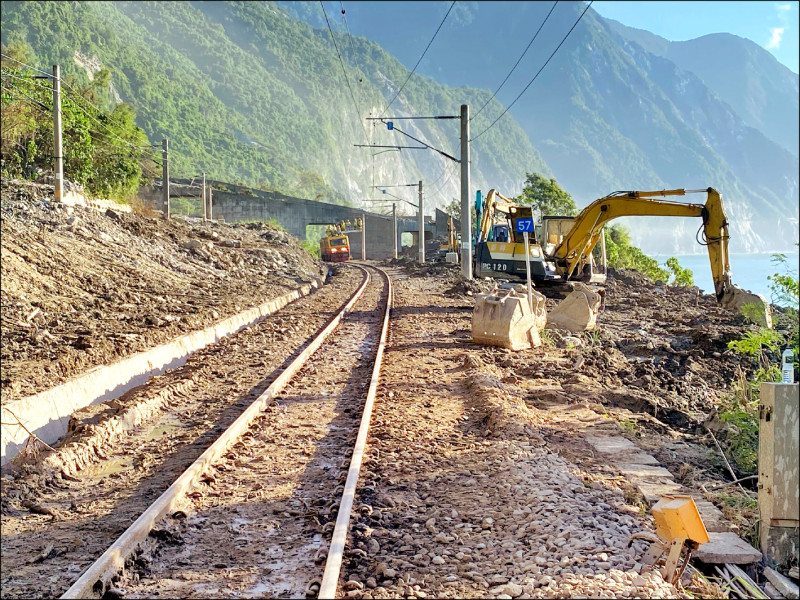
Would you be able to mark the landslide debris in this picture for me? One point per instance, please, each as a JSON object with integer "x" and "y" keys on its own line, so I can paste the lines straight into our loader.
{"x": 657, "y": 362}
{"x": 84, "y": 286}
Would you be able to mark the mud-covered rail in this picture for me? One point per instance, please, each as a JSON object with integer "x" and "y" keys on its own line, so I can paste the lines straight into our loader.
{"x": 254, "y": 454}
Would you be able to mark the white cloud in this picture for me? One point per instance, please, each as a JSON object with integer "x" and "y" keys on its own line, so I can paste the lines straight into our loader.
{"x": 783, "y": 11}
{"x": 775, "y": 40}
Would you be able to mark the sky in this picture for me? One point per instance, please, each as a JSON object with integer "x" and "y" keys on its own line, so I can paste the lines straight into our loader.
{"x": 771, "y": 25}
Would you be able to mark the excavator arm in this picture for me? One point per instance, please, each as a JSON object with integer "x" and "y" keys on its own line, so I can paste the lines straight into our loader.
{"x": 578, "y": 243}
{"x": 495, "y": 202}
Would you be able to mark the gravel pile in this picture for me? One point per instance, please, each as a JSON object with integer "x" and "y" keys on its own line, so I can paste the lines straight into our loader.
{"x": 539, "y": 532}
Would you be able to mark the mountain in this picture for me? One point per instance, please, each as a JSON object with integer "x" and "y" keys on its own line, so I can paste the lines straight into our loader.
{"x": 259, "y": 93}
{"x": 761, "y": 91}
{"x": 246, "y": 93}
{"x": 612, "y": 109}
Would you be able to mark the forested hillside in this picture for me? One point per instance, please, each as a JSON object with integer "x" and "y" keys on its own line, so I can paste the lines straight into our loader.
{"x": 631, "y": 119}
{"x": 762, "y": 91}
{"x": 621, "y": 108}
{"x": 246, "y": 93}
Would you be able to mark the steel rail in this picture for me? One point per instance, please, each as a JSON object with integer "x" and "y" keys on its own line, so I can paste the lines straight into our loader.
{"x": 93, "y": 582}
{"x": 333, "y": 564}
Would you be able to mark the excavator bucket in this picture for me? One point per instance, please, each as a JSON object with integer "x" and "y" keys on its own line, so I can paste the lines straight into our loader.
{"x": 504, "y": 318}
{"x": 578, "y": 311}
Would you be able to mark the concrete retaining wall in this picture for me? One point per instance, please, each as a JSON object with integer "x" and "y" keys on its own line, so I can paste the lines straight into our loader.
{"x": 47, "y": 414}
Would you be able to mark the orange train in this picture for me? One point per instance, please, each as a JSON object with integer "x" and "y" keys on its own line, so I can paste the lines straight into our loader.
{"x": 335, "y": 248}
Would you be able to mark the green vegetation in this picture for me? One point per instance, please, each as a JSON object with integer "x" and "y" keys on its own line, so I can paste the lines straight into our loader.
{"x": 786, "y": 293}
{"x": 784, "y": 286}
{"x": 187, "y": 207}
{"x": 312, "y": 248}
{"x": 248, "y": 94}
{"x": 104, "y": 150}
{"x": 680, "y": 275}
{"x": 545, "y": 195}
{"x": 761, "y": 353}
{"x": 274, "y": 223}
{"x": 623, "y": 255}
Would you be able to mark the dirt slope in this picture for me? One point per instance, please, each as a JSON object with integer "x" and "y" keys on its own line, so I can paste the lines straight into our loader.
{"x": 83, "y": 287}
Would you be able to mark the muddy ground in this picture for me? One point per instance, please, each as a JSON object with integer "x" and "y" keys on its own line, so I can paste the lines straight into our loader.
{"x": 83, "y": 287}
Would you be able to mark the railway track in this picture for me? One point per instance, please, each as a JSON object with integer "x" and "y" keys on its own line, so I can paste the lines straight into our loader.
{"x": 261, "y": 500}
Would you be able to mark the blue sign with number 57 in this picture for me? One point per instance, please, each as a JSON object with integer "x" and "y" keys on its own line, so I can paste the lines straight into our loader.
{"x": 524, "y": 225}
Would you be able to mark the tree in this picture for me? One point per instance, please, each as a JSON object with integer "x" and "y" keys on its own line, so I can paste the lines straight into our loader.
{"x": 454, "y": 210}
{"x": 680, "y": 275}
{"x": 546, "y": 196}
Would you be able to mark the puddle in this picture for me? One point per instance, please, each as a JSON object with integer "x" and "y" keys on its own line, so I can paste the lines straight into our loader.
{"x": 109, "y": 467}
{"x": 169, "y": 423}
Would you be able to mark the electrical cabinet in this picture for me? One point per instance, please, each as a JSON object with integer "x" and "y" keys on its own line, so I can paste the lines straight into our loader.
{"x": 778, "y": 466}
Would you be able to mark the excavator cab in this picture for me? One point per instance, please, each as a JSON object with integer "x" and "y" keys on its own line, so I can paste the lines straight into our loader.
{"x": 591, "y": 269}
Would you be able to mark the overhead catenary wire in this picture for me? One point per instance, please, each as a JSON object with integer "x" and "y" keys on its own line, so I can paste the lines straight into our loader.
{"x": 420, "y": 58}
{"x": 349, "y": 35}
{"x": 36, "y": 102}
{"x": 537, "y": 73}
{"x": 344, "y": 71}
{"x": 88, "y": 113}
{"x": 49, "y": 109}
{"x": 30, "y": 82}
{"x": 447, "y": 179}
{"x": 535, "y": 35}
{"x": 66, "y": 96}
{"x": 6, "y": 56}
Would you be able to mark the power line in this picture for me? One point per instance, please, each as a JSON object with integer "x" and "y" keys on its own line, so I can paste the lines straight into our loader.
{"x": 88, "y": 113}
{"x": 29, "y": 81}
{"x": 535, "y": 76}
{"x": 349, "y": 35}
{"x": 518, "y": 61}
{"x": 346, "y": 80}
{"x": 420, "y": 58}
{"x": 49, "y": 110}
{"x": 34, "y": 101}
{"x": 453, "y": 158}
{"x": 26, "y": 65}
{"x": 77, "y": 92}
{"x": 446, "y": 181}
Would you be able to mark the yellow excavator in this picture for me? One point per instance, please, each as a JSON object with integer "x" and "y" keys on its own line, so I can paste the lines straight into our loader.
{"x": 449, "y": 252}
{"x": 563, "y": 246}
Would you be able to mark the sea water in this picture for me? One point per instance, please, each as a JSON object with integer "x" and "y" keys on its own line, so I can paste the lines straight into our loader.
{"x": 748, "y": 271}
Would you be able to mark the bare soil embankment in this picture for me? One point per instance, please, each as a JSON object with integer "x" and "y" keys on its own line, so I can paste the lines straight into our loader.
{"x": 83, "y": 287}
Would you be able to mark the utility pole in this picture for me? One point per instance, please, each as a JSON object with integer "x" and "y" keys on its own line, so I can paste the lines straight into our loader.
{"x": 165, "y": 176}
{"x": 58, "y": 192}
{"x": 364, "y": 235}
{"x": 394, "y": 220}
{"x": 466, "y": 213}
{"x": 421, "y": 226}
{"x": 205, "y": 205}
{"x": 210, "y": 203}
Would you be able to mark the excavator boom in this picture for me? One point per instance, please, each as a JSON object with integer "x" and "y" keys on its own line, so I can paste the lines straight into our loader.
{"x": 567, "y": 243}
{"x": 576, "y": 246}
{"x": 586, "y": 231}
